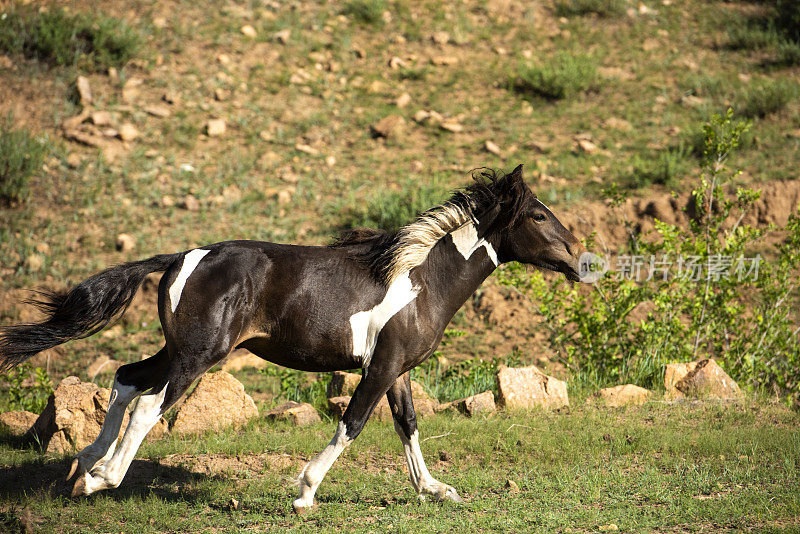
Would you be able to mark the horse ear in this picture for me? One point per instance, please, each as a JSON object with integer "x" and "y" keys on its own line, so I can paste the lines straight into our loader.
{"x": 515, "y": 176}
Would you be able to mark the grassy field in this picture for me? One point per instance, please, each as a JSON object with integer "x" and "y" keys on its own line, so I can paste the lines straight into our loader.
{"x": 658, "y": 467}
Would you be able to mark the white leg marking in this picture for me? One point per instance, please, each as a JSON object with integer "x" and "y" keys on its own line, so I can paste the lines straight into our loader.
{"x": 190, "y": 261}
{"x": 421, "y": 478}
{"x": 103, "y": 447}
{"x": 467, "y": 242}
{"x": 367, "y": 325}
{"x": 316, "y": 469}
{"x": 144, "y": 417}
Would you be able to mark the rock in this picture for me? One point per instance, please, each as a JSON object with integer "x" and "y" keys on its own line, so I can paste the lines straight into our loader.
{"x": 221, "y": 95}
{"x": 396, "y": 62}
{"x": 708, "y": 380}
{"x": 388, "y": 126}
{"x": 664, "y": 208}
{"x": 167, "y": 201}
{"x": 282, "y": 36}
{"x": 512, "y": 486}
{"x": 621, "y": 395}
{"x": 158, "y": 110}
{"x": 128, "y": 132}
{"x": 102, "y": 365}
{"x": 451, "y": 126}
{"x": 70, "y": 123}
{"x": 223, "y": 59}
{"x": 403, "y": 100}
{"x": 171, "y": 97}
{"x": 526, "y": 387}
{"x": 131, "y": 89}
{"x": 17, "y": 424}
{"x": 673, "y": 373}
{"x": 190, "y": 203}
{"x": 344, "y": 385}
{"x": 74, "y": 160}
{"x": 306, "y": 149}
{"x": 215, "y": 127}
{"x": 618, "y": 124}
{"x": 474, "y": 405}
{"x": 218, "y": 402}
{"x": 33, "y": 263}
{"x": 440, "y": 38}
{"x": 338, "y": 405}
{"x": 125, "y": 242}
{"x": 491, "y": 148}
{"x": 243, "y": 359}
{"x": 248, "y": 31}
{"x": 284, "y": 196}
{"x": 102, "y": 118}
{"x": 87, "y": 139}
{"x": 298, "y": 413}
{"x": 444, "y": 61}
{"x": 587, "y": 147}
{"x": 74, "y": 416}
{"x": 84, "y": 90}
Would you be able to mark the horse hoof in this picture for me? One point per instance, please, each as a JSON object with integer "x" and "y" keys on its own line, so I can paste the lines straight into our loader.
{"x": 452, "y": 495}
{"x": 79, "y": 488}
{"x": 73, "y": 469}
{"x": 300, "y": 509}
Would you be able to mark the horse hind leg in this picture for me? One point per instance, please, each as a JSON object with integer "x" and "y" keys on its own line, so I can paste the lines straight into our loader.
{"x": 130, "y": 381}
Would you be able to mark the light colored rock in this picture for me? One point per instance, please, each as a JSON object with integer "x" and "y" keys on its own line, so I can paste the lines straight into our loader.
{"x": 248, "y": 31}
{"x": 492, "y": 148}
{"x": 403, "y": 100}
{"x": 158, "y": 110}
{"x": 444, "y": 61}
{"x": 218, "y": 402}
{"x": 131, "y": 89}
{"x": 512, "y": 486}
{"x": 388, "y": 126}
{"x": 618, "y": 124}
{"x": 708, "y": 381}
{"x": 243, "y": 359}
{"x": 451, "y": 126}
{"x": 282, "y": 36}
{"x": 527, "y": 387}
{"x": 33, "y": 263}
{"x": 587, "y": 147}
{"x": 84, "y": 90}
{"x": 103, "y": 365}
{"x": 70, "y": 123}
{"x": 297, "y": 413}
{"x": 674, "y": 373}
{"x": 190, "y": 203}
{"x": 473, "y": 405}
{"x": 74, "y": 160}
{"x": 344, "y": 384}
{"x": 128, "y": 132}
{"x": 338, "y": 405}
{"x": 17, "y": 424}
{"x": 215, "y": 127}
{"x": 102, "y": 118}
{"x": 440, "y": 38}
{"x": 125, "y": 242}
{"x": 621, "y": 395}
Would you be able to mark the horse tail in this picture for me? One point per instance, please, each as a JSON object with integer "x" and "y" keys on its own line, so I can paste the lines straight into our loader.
{"x": 80, "y": 312}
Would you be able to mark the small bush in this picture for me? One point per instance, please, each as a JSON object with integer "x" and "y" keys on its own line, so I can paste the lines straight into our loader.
{"x": 749, "y": 36}
{"x": 21, "y": 155}
{"x": 563, "y": 76}
{"x": 366, "y": 11}
{"x": 59, "y": 38}
{"x": 787, "y": 54}
{"x": 32, "y": 398}
{"x": 664, "y": 169}
{"x": 389, "y": 210}
{"x": 602, "y": 8}
{"x": 765, "y": 98}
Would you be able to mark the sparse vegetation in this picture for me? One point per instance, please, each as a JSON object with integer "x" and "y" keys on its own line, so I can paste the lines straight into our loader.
{"x": 389, "y": 210}
{"x": 563, "y": 76}
{"x": 767, "y": 97}
{"x": 602, "y": 8}
{"x": 60, "y": 38}
{"x": 28, "y": 389}
{"x": 668, "y": 166}
{"x": 21, "y": 156}
{"x": 366, "y": 11}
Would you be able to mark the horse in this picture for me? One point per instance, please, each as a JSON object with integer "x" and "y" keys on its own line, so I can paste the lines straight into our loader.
{"x": 374, "y": 300}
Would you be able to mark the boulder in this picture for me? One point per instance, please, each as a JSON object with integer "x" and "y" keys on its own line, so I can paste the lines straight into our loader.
{"x": 344, "y": 385}
{"x": 673, "y": 374}
{"x": 17, "y": 424}
{"x": 621, "y": 395}
{"x": 526, "y": 387}
{"x": 297, "y": 413}
{"x": 389, "y": 126}
{"x": 338, "y": 405}
{"x": 243, "y": 359}
{"x": 474, "y": 405}
{"x": 74, "y": 415}
{"x": 103, "y": 365}
{"x": 218, "y": 402}
{"x": 708, "y": 380}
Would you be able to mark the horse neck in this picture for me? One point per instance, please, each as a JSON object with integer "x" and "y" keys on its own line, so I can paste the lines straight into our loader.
{"x": 457, "y": 266}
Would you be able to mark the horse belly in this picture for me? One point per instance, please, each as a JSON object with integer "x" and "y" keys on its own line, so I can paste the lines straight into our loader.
{"x": 304, "y": 353}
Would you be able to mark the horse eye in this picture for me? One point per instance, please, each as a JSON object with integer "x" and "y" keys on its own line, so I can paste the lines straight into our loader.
{"x": 539, "y": 217}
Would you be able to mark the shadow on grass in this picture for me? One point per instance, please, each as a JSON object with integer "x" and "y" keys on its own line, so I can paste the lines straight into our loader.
{"x": 43, "y": 476}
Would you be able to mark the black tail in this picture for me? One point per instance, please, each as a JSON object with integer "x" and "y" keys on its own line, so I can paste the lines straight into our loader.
{"x": 80, "y": 312}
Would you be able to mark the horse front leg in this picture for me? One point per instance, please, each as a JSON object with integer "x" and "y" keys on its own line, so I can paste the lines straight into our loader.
{"x": 405, "y": 424}
{"x": 366, "y": 396}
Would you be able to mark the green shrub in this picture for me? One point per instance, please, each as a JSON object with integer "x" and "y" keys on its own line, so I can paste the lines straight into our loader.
{"x": 60, "y": 38}
{"x": 389, "y": 210}
{"x": 300, "y": 386}
{"x": 765, "y": 98}
{"x": 366, "y": 11}
{"x": 748, "y": 323}
{"x": 745, "y": 35}
{"x": 787, "y": 54}
{"x": 602, "y": 8}
{"x": 21, "y": 155}
{"x": 32, "y": 398}
{"x": 563, "y": 76}
{"x": 460, "y": 379}
{"x": 664, "y": 169}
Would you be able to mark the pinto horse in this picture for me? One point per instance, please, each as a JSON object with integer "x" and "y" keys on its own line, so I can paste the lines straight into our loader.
{"x": 373, "y": 300}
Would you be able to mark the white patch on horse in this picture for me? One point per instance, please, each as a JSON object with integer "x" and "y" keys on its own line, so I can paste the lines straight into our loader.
{"x": 467, "y": 242}
{"x": 190, "y": 261}
{"x": 315, "y": 470}
{"x": 110, "y": 473}
{"x": 366, "y": 325}
{"x": 421, "y": 478}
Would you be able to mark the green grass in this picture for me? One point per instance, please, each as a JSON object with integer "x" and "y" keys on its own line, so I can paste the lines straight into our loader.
{"x": 562, "y": 76}
{"x": 21, "y": 156}
{"x": 368, "y": 12}
{"x": 58, "y": 37}
{"x": 652, "y": 468}
{"x": 766, "y": 97}
{"x": 602, "y": 8}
